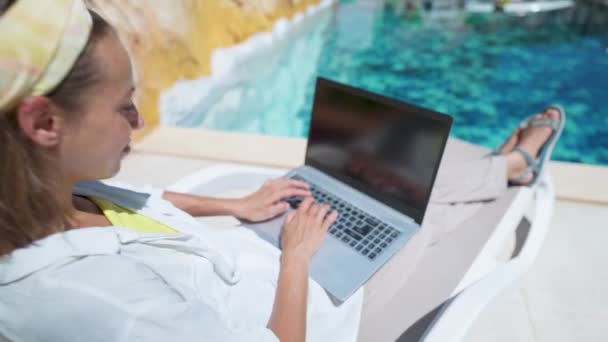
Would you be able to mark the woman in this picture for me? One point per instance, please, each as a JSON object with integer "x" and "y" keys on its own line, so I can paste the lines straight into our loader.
{"x": 86, "y": 261}
{"x": 50, "y": 143}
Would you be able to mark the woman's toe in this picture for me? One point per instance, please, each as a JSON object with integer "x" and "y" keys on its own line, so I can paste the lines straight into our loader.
{"x": 552, "y": 113}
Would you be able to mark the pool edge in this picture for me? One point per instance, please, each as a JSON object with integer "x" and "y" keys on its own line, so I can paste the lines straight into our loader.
{"x": 573, "y": 181}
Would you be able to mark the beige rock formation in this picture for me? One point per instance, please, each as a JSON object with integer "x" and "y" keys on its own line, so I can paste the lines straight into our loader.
{"x": 172, "y": 40}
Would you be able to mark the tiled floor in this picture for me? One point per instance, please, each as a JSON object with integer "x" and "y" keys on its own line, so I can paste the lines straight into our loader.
{"x": 564, "y": 297}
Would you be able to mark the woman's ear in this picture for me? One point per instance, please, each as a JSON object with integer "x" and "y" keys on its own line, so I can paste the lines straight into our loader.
{"x": 39, "y": 120}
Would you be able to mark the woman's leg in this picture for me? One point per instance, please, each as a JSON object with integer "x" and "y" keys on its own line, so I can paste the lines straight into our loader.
{"x": 488, "y": 179}
{"x": 466, "y": 178}
{"x": 463, "y": 180}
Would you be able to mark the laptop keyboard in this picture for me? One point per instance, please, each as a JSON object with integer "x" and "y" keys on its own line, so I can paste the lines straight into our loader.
{"x": 354, "y": 227}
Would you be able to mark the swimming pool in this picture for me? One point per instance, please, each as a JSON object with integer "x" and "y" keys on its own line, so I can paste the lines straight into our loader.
{"x": 488, "y": 71}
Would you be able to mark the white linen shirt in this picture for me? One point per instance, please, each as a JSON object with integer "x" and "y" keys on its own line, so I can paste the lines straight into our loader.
{"x": 117, "y": 284}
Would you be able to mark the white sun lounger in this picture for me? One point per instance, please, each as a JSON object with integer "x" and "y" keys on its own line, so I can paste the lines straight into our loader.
{"x": 439, "y": 303}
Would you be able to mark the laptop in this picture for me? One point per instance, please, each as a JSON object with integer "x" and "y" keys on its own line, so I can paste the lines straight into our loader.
{"x": 373, "y": 159}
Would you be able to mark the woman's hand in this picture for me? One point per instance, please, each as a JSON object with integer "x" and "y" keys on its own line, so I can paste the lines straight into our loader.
{"x": 267, "y": 202}
{"x": 304, "y": 229}
{"x": 302, "y": 235}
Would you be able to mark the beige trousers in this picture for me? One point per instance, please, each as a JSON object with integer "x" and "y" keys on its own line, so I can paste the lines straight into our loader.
{"x": 463, "y": 183}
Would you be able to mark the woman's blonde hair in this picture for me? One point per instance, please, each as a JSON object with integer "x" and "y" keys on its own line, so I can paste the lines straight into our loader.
{"x": 30, "y": 206}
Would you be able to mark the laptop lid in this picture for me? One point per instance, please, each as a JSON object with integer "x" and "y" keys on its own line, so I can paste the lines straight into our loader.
{"x": 385, "y": 148}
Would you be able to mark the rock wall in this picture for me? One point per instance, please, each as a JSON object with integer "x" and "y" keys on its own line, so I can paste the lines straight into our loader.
{"x": 258, "y": 86}
{"x": 174, "y": 40}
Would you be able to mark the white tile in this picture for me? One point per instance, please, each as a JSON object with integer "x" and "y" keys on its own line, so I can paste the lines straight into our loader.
{"x": 564, "y": 296}
{"x": 505, "y": 320}
{"x": 567, "y": 288}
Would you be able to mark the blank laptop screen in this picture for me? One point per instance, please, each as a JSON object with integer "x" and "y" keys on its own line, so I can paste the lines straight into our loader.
{"x": 387, "y": 149}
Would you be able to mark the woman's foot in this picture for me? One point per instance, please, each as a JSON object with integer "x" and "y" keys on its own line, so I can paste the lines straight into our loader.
{"x": 530, "y": 140}
{"x": 511, "y": 142}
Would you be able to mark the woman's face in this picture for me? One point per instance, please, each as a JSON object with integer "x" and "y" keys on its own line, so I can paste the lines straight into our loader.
{"x": 94, "y": 143}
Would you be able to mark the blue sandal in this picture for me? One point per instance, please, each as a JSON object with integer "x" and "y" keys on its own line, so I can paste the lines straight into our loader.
{"x": 536, "y": 166}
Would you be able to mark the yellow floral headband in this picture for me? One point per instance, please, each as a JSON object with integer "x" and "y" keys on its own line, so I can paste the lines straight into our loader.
{"x": 40, "y": 41}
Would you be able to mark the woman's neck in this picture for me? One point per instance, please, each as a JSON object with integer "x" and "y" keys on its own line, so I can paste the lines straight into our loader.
{"x": 79, "y": 210}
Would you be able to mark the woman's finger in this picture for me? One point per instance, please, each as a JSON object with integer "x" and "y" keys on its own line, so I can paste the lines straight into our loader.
{"x": 305, "y": 205}
{"x": 290, "y": 217}
{"x": 298, "y": 184}
{"x": 285, "y": 183}
{"x": 314, "y": 211}
{"x": 329, "y": 220}
{"x": 277, "y": 209}
{"x": 286, "y": 193}
{"x": 323, "y": 210}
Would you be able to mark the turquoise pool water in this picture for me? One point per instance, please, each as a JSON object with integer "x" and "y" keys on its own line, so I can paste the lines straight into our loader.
{"x": 488, "y": 71}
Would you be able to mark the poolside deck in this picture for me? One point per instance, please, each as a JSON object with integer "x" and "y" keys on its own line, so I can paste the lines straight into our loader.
{"x": 563, "y": 297}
